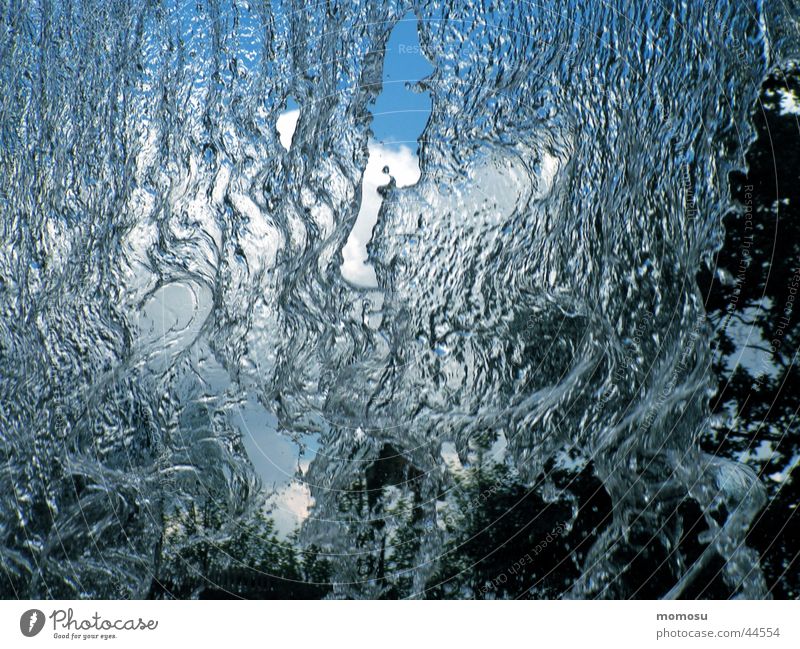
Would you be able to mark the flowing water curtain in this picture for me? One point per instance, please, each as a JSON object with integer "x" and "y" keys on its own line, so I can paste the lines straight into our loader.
{"x": 538, "y": 280}
{"x": 611, "y": 124}
{"x": 125, "y": 120}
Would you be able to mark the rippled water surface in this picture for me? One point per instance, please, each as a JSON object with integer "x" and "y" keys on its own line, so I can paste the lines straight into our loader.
{"x": 280, "y": 317}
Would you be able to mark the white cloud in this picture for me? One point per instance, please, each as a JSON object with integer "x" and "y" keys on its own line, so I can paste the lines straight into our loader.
{"x": 290, "y": 507}
{"x": 790, "y": 105}
{"x": 403, "y": 165}
{"x": 286, "y": 125}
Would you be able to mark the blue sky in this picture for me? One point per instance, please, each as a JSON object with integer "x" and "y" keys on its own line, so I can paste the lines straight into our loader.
{"x": 400, "y": 114}
{"x": 399, "y": 117}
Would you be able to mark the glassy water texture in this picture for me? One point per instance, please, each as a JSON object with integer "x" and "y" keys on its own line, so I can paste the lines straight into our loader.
{"x": 196, "y": 398}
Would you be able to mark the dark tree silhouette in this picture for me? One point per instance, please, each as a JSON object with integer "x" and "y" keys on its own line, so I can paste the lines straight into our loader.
{"x": 753, "y": 297}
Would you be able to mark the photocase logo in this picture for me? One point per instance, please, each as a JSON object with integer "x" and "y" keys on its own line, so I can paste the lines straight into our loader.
{"x": 31, "y": 622}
